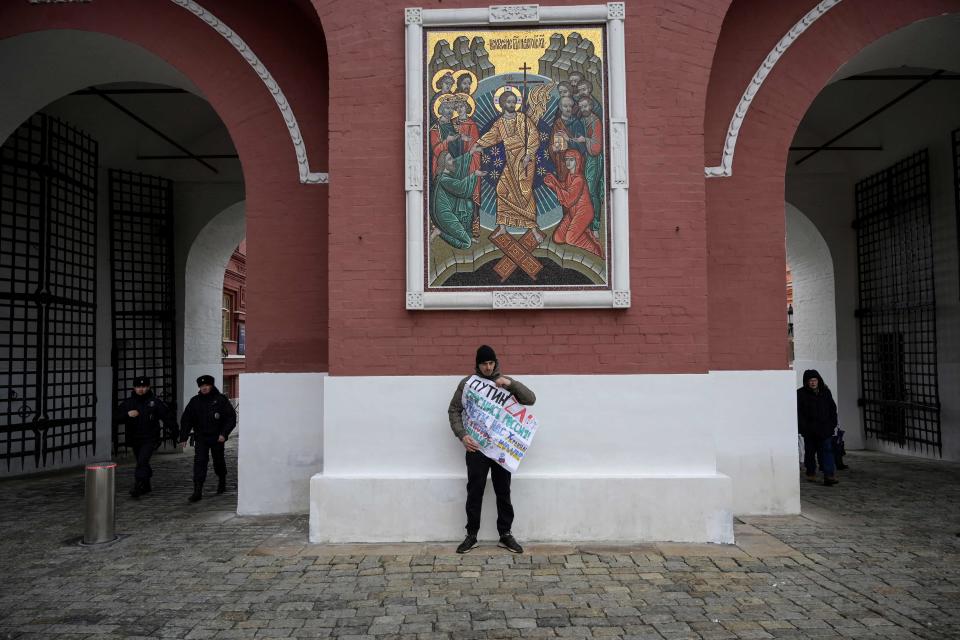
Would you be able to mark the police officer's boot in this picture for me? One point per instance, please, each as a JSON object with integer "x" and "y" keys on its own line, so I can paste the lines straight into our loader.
{"x": 197, "y": 492}
{"x": 221, "y": 484}
{"x": 145, "y": 487}
{"x": 137, "y": 490}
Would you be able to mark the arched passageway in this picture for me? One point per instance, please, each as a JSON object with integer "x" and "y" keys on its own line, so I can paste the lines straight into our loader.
{"x": 100, "y": 204}
{"x": 844, "y": 115}
{"x": 211, "y": 91}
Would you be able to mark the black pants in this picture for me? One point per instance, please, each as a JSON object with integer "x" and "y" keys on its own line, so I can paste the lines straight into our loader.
{"x": 818, "y": 451}
{"x": 142, "y": 450}
{"x": 204, "y": 446}
{"x": 477, "y": 466}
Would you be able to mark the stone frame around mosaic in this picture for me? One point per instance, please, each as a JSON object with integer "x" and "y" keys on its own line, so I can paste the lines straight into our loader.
{"x": 611, "y": 14}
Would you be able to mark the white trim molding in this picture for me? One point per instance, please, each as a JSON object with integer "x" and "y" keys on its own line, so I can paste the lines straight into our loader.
{"x": 611, "y": 15}
{"x": 619, "y": 168}
{"x": 413, "y": 156}
{"x": 306, "y": 175}
{"x": 725, "y": 168}
{"x": 517, "y": 300}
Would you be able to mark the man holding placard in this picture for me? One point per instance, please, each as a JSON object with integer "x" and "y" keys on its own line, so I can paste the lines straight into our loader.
{"x": 489, "y": 415}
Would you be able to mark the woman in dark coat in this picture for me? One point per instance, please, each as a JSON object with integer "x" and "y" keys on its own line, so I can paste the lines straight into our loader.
{"x": 816, "y": 420}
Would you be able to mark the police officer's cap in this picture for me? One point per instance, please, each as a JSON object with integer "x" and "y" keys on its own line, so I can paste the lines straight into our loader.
{"x": 202, "y": 380}
{"x": 141, "y": 381}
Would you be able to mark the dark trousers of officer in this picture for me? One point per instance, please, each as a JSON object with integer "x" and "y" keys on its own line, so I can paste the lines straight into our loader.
{"x": 477, "y": 467}
{"x": 204, "y": 447}
{"x": 142, "y": 450}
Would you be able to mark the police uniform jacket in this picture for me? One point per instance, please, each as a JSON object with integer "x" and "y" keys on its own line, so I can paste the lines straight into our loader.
{"x": 208, "y": 416}
{"x": 154, "y": 415}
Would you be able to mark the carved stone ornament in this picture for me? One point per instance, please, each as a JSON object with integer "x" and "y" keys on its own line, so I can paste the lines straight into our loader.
{"x": 619, "y": 172}
{"x": 621, "y": 299}
{"x": 306, "y": 175}
{"x": 725, "y": 168}
{"x": 413, "y": 15}
{"x": 413, "y": 156}
{"x": 616, "y": 10}
{"x": 517, "y": 300}
{"x": 414, "y": 300}
{"x": 314, "y": 177}
{"x": 515, "y": 13}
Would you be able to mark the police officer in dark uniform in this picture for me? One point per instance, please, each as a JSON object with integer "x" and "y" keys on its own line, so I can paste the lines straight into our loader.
{"x": 142, "y": 414}
{"x": 210, "y": 417}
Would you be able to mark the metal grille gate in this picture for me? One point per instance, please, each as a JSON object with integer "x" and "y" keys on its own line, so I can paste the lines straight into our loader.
{"x": 141, "y": 267}
{"x": 897, "y": 307}
{"x": 956, "y": 181}
{"x": 48, "y": 232}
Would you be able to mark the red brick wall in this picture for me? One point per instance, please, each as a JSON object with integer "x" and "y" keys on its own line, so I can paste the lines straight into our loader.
{"x": 286, "y": 221}
{"x": 745, "y": 213}
{"x": 669, "y": 49}
{"x": 695, "y": 248}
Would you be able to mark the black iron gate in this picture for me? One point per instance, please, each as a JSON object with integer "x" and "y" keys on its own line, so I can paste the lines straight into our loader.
{"x": 48, "y": 241}
{"x": 897, "y": 307}
{"x": 956, "y": 181}
{"x": 141, "y": 267}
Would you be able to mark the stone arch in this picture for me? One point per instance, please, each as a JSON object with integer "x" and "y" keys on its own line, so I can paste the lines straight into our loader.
{"x": 745, "y": 228}
{"x": 40, "y": 68}
{"x": 216, "y": 70}
{"x": 104, "y": 42}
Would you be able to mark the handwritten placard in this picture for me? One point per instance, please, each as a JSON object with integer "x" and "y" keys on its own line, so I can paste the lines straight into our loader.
{"x": 502, "y": 427}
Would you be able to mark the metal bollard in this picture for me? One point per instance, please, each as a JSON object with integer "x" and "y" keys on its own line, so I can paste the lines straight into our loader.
{"x": 99, "y": 493}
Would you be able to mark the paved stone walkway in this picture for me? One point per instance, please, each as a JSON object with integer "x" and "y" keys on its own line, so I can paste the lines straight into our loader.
{"x": 874, "y": 557}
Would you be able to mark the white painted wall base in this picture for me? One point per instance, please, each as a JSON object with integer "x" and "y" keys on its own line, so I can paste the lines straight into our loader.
{"x": 755, "y": 428}
{"x": 643, "y": 457}
{"x": 548, "y": 508}
{"x": 282, "y": 443}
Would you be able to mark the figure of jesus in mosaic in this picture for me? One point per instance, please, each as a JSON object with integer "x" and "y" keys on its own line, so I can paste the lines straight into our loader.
{"x": 517, "y": 130}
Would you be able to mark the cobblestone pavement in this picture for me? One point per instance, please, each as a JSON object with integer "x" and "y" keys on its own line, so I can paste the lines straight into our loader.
{"x": 874, "y": 557}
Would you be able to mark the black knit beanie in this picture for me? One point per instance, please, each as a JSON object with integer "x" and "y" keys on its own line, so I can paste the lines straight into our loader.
{"x": 485, "y": 354}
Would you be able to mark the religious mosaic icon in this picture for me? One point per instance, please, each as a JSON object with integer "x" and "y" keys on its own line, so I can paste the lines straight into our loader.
{"x": 516, "y": 159}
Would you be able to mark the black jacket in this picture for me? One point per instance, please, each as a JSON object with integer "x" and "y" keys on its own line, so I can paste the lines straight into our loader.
{"x": 209, "y": 415}
{"x": 146, "y": 426}
{"x": 816, "y": 410}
